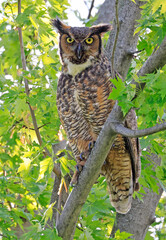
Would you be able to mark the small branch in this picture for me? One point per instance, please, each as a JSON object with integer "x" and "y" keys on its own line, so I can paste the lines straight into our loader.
{"x": 16, "y": 122}
{"x": 79, "y": 228}
{"x": 116, "y": 38}
{"x": 135, "y": 52}
{"x": 24, "y": 126}
{"x": 120, "y": 129}
{"x": 59, "y": 203}
{"x": 90, "y": 10}
{"x": 1, "y": 235}
{"x": 46, "y": 153}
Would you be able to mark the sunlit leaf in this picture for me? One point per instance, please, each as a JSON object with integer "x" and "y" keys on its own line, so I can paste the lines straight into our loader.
{"x": 45, "y": 165}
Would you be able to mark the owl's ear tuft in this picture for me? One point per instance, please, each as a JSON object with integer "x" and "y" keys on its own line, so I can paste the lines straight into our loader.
{"x": 101, "y": 29}
{"x": 60, "y": 26}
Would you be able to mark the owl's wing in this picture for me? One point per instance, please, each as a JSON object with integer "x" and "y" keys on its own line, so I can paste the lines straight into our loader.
{"x": 73, "y": 122}
{"x": 134, "y": 147}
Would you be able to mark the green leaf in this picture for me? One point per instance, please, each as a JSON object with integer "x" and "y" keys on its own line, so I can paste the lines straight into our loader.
{"x": 25, "y": 167}
{"x": 118, "y": 89}
{"x": 45, "y": 165}
{"x": 148, "y": 236}
{"x": 122, "y": 235}
{"x": 48, "y": 213}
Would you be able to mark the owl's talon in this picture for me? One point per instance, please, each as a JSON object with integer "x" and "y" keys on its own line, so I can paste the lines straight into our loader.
{"x": 74, "y": 179}
{"x": 91, "y": 145}
{"x": 79, "y": 168}
{"x": 82, "y": 156}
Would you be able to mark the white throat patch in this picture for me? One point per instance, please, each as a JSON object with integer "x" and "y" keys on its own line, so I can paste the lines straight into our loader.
{"x": 74, "y": 69}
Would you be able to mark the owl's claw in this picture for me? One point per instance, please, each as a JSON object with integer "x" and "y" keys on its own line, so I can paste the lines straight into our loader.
{"x": 79, "y": 168}
{"x": 82, "y": 156}
{"x": 91, "y": 145}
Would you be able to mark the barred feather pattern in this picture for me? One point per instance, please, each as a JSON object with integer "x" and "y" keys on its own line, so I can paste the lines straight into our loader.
{"x": 83, "y": 107}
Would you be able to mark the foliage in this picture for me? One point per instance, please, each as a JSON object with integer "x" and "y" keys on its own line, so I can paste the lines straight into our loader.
{"x": 25, "y": 175}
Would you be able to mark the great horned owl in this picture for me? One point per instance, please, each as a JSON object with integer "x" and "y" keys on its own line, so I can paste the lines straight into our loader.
{"x": 83, "y": 105}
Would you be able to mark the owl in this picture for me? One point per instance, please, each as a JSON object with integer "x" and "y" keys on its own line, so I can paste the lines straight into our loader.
{"x": 83, "y": 105}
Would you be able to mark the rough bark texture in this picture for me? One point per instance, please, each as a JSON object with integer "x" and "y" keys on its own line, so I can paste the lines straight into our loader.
{"x": 106, "y": 12}
{"x": 129, "y": 12}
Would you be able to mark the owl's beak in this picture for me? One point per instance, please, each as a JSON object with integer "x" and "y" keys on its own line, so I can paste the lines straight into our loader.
{"x": 79, "y": 51}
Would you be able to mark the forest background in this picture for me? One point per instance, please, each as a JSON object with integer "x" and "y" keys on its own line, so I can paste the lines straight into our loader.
{"x": 30, "y": 129}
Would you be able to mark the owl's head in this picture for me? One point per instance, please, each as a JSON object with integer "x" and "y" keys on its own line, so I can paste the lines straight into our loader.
{"x": 80, "y": 44}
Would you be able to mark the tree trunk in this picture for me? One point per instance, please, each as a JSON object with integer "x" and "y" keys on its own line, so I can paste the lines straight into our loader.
{"x": 142, "y": 214}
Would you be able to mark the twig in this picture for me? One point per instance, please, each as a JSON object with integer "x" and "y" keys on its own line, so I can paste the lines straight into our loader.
{"x": 1, "y": 235}
{"x": 59, "y": 202}
{"x": 16, "y": 122}
{"x": 46, "y": 153}
{"x": 90, "y": 10}
{"x": 24, "y": 126}
{"x": 135, "y": 52}
{"x": 79, "y": 228}
{"x": 116, "y": 38}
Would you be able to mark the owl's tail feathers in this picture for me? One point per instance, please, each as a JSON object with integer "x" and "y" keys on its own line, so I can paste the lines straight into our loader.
{"x": 121, "y": 196}
{"x": 118, "y": 173}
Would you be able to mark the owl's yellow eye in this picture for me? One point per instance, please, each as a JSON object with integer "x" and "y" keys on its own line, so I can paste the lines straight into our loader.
{"x": 69, "y": 40}
{"x": 89, "y": 40}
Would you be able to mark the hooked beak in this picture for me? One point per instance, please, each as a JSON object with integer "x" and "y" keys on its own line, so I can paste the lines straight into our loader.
{"x": 79, "y": 51}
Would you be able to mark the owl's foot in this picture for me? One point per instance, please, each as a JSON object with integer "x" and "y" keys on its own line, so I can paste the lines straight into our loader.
{"x": 80, "y": 163}
{"x": 91, "y": 145}
{"x": 74, "y": 179}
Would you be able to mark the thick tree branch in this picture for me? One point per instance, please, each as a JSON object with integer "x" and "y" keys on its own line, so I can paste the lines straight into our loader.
{"x": 46, "y": 153}
{"x": 119, "y": 128}
{"x": 128, "y": 13}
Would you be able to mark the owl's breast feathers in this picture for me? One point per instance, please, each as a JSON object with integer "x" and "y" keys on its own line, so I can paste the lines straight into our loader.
{"x": 83, "y": 106}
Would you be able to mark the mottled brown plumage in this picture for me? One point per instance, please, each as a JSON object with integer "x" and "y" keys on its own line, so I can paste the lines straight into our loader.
{"x": 82, "y": 99}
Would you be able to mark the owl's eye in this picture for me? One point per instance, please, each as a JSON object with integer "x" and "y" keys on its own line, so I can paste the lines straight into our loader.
{"x": 89, "y": 40}
{"x": 69, "y": 40}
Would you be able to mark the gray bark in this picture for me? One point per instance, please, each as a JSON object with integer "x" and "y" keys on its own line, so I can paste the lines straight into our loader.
{"x": 129, "y": 12}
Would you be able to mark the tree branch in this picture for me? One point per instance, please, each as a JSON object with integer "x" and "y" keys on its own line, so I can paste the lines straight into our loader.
{"x": 129, "y": 12}
{"x": 119, "y": 128}
{"x": 90, "y": 10}
{"x": 46, "y": 153}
